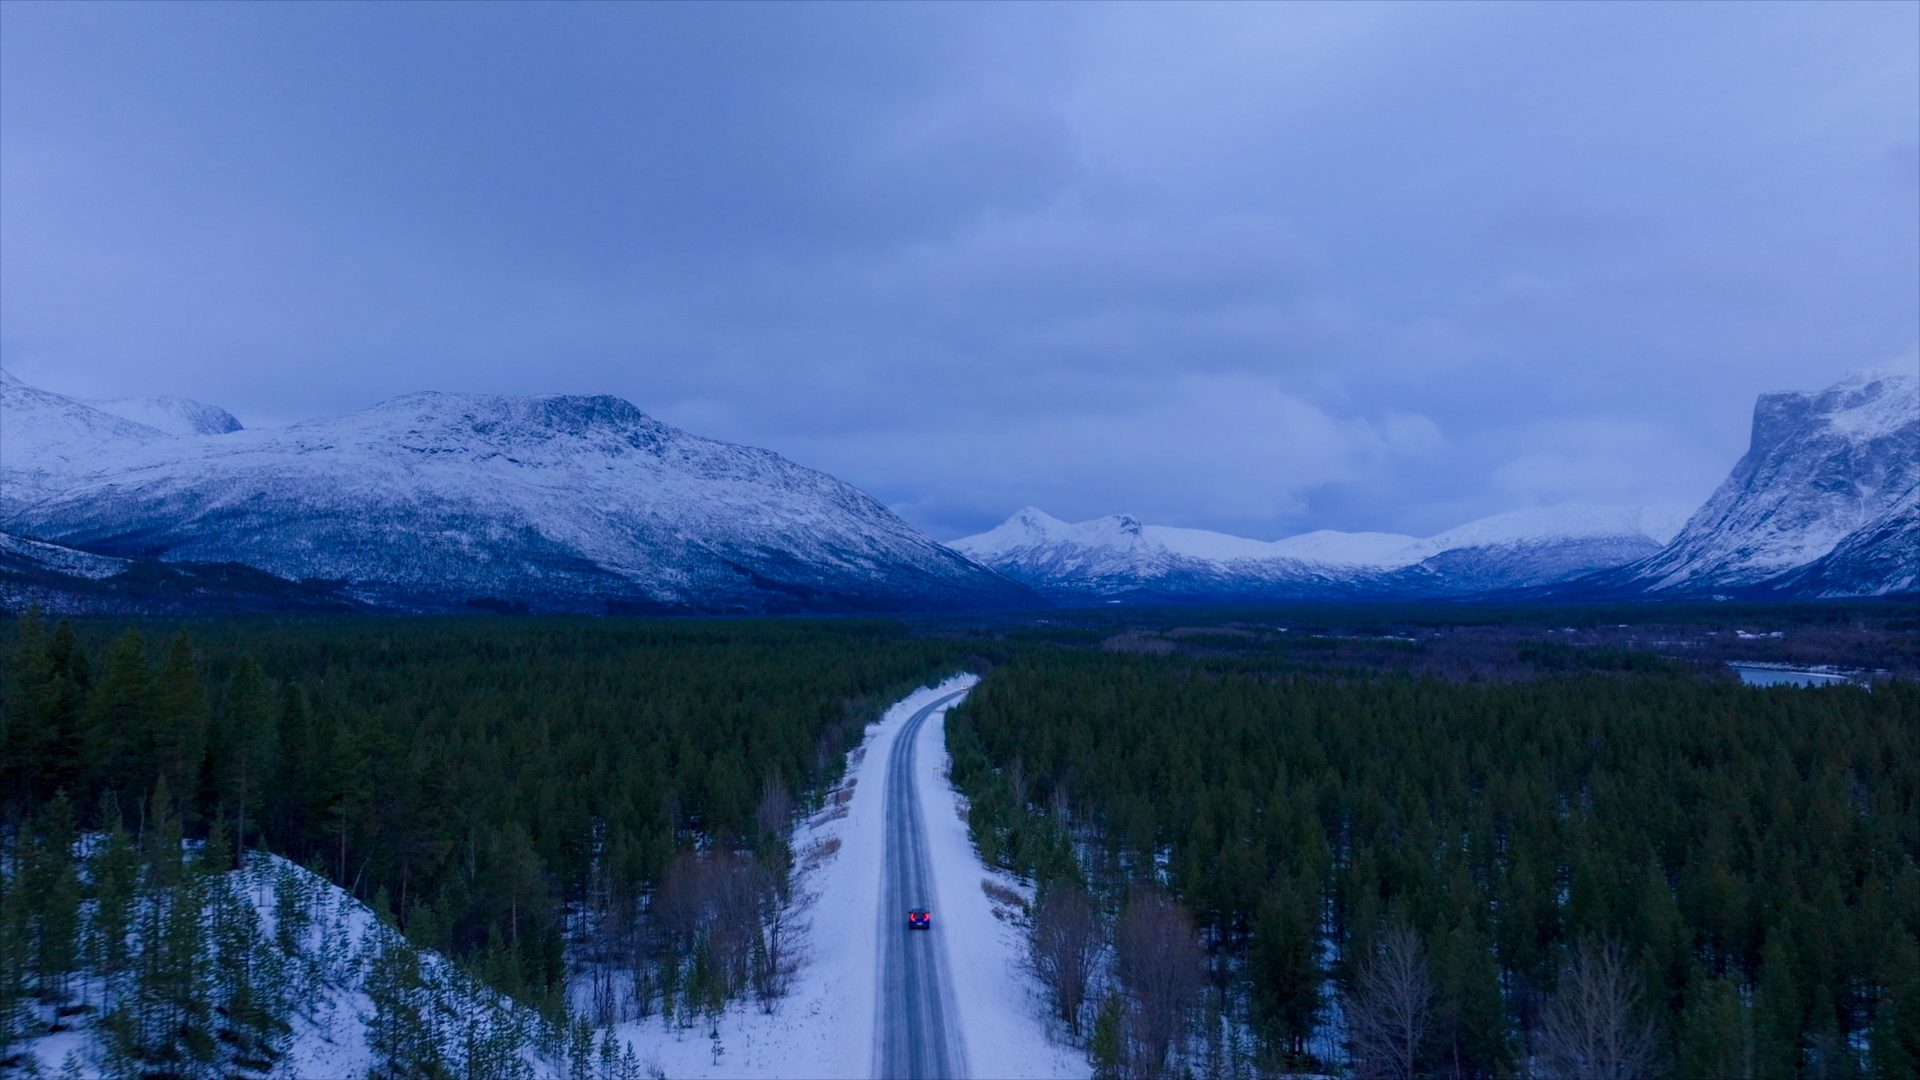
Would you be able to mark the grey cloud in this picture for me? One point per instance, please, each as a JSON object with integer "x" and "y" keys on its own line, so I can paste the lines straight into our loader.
{"x": 1240, "y": 266}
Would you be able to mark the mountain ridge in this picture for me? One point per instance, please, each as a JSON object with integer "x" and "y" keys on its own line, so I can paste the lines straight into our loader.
{"x": 434, "y": 501}
{"x": 1824, "y": 504}
{"x": 1117, "y": 555}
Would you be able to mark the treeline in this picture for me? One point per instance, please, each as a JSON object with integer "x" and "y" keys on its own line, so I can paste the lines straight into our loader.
{"x": 1588, "y": 874}
{"x": 509, "y": 792}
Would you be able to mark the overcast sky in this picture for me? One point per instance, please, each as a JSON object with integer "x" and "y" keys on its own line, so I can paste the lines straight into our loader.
{"x": 1259, "y": 268}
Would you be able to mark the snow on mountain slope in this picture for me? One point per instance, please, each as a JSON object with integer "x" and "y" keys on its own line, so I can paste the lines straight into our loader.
{"x": 1568, "y": 521}
{"x": 48, "y": 441}
{"x": 1123, "y": 535}
{"x": 1118, "y": 555}
{"x": 1820, "y": 467}
{"x": 20, "y": 552}
{"x": 432, "y": 501}
{"x": 68, "y": 581}
{"x": 175, "y": 416}
{"x": 1544, "y": 546}
{"x": 1880, "y": 558}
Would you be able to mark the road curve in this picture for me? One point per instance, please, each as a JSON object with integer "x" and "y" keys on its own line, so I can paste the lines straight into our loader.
{"x": 915, "y": 1016}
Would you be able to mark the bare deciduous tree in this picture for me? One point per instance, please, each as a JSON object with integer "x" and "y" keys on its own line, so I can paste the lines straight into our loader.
{"x": 1595, "y": 1028}
{"x": 734, "y": 906}
{"x": 1162, "y": 970}
{"x": 775, "y": 961}
{"x": 775, "y": 809}
{"x": 1388, "y": 1008}
{"x": 1066, "y": 942}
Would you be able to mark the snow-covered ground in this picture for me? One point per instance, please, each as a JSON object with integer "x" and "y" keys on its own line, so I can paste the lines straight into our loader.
{"x": 324, "y": 966}
{"x": 826, "y": 1024}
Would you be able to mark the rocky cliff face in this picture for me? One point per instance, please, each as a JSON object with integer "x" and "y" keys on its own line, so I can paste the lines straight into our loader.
{"x": 1833, "y": 472}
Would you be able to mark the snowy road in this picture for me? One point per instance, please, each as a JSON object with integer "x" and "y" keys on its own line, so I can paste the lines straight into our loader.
{"x": 915, "y": 1016}
{"x": 870, "y": 999}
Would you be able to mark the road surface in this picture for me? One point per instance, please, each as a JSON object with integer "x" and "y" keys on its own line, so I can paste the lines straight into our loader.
{"x": 915, "y": 1015}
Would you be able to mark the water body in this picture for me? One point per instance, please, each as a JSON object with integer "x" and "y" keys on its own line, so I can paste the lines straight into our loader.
{"x": 1766, "y": 676}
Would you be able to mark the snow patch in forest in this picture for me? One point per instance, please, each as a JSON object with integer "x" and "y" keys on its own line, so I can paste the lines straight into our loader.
{"x": 324, "y": 964}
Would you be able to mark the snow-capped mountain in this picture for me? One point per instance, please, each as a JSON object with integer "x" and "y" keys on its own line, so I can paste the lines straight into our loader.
{"x": 1119, "y": 556}
{"x": 434, "y": 501}
{"x": 47, "y": 441}
{"x": 175, "y": 416}
{"x": 1544, "y": 545}
{"x": 1834, "y": 472}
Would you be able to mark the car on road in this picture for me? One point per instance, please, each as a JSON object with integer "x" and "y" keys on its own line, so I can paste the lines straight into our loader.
{"x": 919, "y": 919}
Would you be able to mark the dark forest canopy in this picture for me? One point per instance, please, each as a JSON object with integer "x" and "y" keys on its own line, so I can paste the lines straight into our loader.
{"x": 479, "y": 775}
{"x": 1500, "y": 803}
{"x": 1750, "y": 853}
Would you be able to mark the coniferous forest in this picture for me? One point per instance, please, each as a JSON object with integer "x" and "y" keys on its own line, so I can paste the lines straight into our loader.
{"x": 1634, "y": 871}
{"x": 1350, "y": 854}
{"x": 502, "y": 791}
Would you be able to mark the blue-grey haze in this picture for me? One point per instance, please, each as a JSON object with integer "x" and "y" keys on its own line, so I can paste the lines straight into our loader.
{"x": 1260, "y": 268}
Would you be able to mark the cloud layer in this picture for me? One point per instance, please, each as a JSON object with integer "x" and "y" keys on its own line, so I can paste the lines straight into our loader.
{"x": 1247, "y": 267}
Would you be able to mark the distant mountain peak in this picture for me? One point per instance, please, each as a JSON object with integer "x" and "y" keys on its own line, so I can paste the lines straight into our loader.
{"x": 173, "y": 415}
{"x": 1119, "y": 555}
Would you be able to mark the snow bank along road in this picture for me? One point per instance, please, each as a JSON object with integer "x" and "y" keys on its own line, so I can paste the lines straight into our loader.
{"x": 848, "y": 1004}
{"x": 915, "y": 1015}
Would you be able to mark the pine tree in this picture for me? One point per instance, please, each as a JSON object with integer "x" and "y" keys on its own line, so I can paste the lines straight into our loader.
{"x": 114, "y": 878}
{"x": 1107, "y": 1048}
{"x": 27, "y": 734}
{"x": 1283, "y": 967}
{"x": 16, "y": 957}
{"x": 403, "y": 1044}
{"x": 119, "y": 713}
{"x": 580, "y": 1049}
{"x": 170, "y": 1007}
{"x": 176, "y": 741}
{"x": 1778, "y": 1014}
{"x": 1893, "y": 1040}
{"x": 243, "y": 750}
{"x": 288, "y": 828}
{"x": 1716, "y": 1031}
{"x": 53, "y": 897}
{"x": 338, "y": 792}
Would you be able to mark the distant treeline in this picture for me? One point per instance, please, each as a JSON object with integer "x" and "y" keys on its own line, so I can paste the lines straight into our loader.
{"x": 1628, "y": 868}
{"x": 481, "y": 781}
